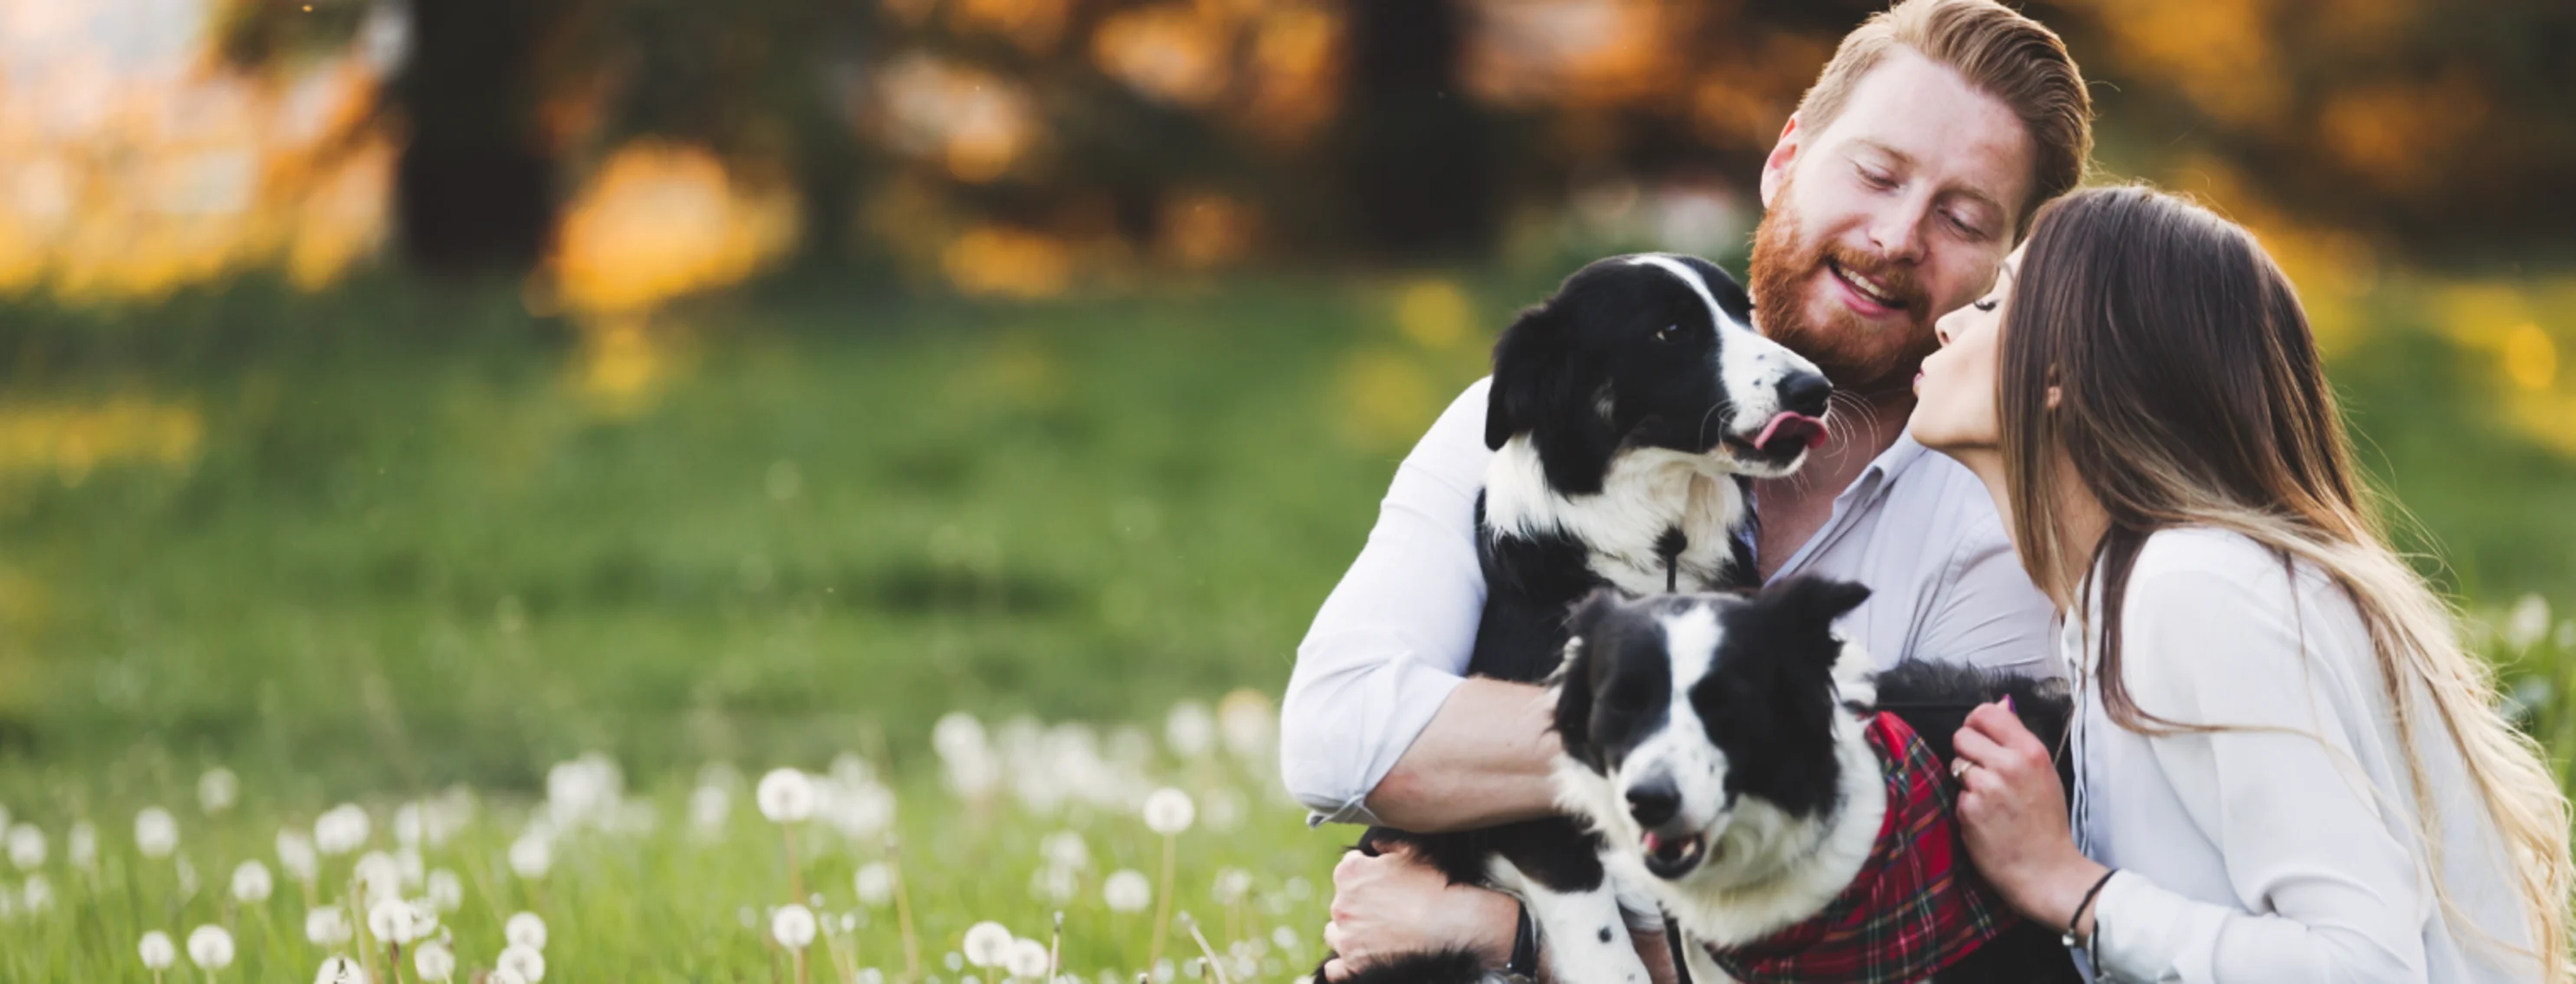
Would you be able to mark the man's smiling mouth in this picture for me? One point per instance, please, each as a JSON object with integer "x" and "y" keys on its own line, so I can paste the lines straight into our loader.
{"x": 1867, "y": 288}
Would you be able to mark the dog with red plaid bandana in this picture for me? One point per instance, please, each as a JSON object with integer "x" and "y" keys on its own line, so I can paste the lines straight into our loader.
{"x": 1788, "y": 810}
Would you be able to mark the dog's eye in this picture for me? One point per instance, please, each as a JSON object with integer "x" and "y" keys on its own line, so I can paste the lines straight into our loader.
{"x": 1669, "y": 333}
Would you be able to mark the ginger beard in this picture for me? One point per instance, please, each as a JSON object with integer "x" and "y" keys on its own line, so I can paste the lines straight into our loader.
{"x": 1862, "y": 357}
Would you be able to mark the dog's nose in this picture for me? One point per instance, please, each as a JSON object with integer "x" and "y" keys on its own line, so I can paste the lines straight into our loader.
{"x": 1654, "y": 802}
{"x": 1805, "y": 392}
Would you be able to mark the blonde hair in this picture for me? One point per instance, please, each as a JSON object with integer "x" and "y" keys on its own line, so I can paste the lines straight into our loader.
{"x": 2188, "y": 392}
{"x": 2002, "y": 53}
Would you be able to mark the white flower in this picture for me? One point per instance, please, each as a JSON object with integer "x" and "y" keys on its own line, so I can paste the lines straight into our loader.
{"x": 390, "y": 920}
{"x": 1054, "y": 885}
{"x": 38, "y": 893}
{"x": 987, "y": 944}
{"x": 1168, "y": 811}
{"x": 424, "y": 918}
{"x": 1250, "y": 729}
{"x": 339, "y": 969}
{"x": 26, "y": 846}
{"x": 1065, "y": 849}
{"x": 532, "y": 855}
{"x": 1284, "y": 938}
{"x": 210, "y": 947}
{"x": 81, "y": 845}
{"x": 710, "y": 807}
{"x": 379, "y": 875}
{"x": 340, "y": 830}
{"x": 434, "y": 961}
{"x": 1127, "y": 891}
{"x": 156, "y": 834}
{"x": 524, "y": 962}
{"x": 251, "y": 883}
{"x": 504, "y": 975}
{"x": 1027, "y": 960}
{"x": 411, "y": 824}
{"x": 875, "y": 884}
{"x": 217, "y": 789}
{"x": 1190, "y": 729}
{"x": 158, "y": 952}
{"x": 1232, "y": 884}
{"x": 326, "y": 925}
{"x": 785, "y": 796}
{"x": 792, "y": 926}
{"x": 525, "y": 929}
{"x": 2527, "y": 622}
{"x": 296, "y": 854}
{"x": 957, "y": 735}
{"x": 861, "y": 810}
{"x": 446, "y": 891}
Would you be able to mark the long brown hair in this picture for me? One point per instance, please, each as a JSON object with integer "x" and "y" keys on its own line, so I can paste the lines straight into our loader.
{"x": 2155, "y": 355}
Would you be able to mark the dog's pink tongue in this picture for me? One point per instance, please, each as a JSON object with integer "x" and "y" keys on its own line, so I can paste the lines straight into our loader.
{"x": 1799, "y": 426}
{"x": 1653, "y": 843}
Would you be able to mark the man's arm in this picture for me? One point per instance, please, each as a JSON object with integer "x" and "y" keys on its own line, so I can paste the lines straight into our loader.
{"x": 1378, "y": 723}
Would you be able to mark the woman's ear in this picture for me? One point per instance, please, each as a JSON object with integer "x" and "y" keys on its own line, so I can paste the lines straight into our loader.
{"x": 2055, "y": 396}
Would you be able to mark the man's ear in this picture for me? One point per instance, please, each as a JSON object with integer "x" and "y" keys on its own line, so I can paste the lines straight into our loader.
{"x": 1784, "y": 154}
{"x": 1530, "y": 377}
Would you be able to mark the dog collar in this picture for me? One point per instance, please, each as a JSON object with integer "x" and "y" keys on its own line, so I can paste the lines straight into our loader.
{"x": 1916, "y": 906}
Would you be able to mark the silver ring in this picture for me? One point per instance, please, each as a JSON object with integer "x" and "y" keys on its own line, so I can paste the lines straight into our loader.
{"x": 1959, "y": 769}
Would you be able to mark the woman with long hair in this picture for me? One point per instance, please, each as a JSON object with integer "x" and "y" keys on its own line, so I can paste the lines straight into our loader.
{"x": 2287, "y": 767}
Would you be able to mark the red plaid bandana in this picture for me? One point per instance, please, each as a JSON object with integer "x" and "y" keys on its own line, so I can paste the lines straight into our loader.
{"x": 1915, "y": 907}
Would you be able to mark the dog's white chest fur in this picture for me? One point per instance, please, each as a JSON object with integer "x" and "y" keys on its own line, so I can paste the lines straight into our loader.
{"x": 1648, "y": 491}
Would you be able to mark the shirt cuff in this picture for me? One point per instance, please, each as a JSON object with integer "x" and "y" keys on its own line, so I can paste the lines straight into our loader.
{"x": 2147, "y": 933}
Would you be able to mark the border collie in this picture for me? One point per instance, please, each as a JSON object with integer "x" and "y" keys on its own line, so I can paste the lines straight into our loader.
{"x": 1788, "y": 812}
{"x": 1624, "y": 411}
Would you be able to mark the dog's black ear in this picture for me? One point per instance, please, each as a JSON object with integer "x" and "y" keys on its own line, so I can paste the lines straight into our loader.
{"x": 1812, "y": 602}
{"x": 1572, "y": 680}
{"x": 1530, "y": 374}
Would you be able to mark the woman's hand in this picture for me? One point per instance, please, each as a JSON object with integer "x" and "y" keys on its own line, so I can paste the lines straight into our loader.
{"x": 1396, "y": 903}
{"x": 2012, "y": 813}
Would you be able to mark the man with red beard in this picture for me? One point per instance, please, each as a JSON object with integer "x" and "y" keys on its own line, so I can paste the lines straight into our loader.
{"x": 1906, "y": 175}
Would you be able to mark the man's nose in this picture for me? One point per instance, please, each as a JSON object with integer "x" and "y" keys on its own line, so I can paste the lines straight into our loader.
{"x": 1898, "y": 232}
{"x": 1804, "y": 392}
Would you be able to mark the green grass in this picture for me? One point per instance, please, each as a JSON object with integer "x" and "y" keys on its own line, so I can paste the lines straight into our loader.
{"x": 408, "y": 550}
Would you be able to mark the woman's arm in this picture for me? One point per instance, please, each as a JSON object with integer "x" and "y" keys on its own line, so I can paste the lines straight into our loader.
{"x": 2324, "y": 891}
{"x": 1378, "y": 724}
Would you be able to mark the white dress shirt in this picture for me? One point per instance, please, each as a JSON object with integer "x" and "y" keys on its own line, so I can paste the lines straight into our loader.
{"x": 1394, "y": 637}
{"x": 2282, "y": 855}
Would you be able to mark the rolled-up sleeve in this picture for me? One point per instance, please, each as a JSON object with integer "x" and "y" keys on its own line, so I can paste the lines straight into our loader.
{"x": 1394, "y": 637}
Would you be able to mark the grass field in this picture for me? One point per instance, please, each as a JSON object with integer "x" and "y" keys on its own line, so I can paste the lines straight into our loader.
{"x": 377, "y": 543}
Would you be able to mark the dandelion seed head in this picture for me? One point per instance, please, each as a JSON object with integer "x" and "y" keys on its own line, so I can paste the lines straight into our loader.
{"x": 956, "y": 961}
{"x": 1284, "y": 938}
{"x": 875, "y": 884}
{"x": 379, "y": 875}
{"x": 156, "y": 833}
{"x": 1250, "y": 727}
{"x": 525, "y": 929}
{"x": 296, "y": 854}
{"x": 434, "y": 961}
{"x": 1169, "y": 811}
{"x": 37, "y": 894}
{"x": 340, "y": 830}
{"x": 1027, "y": 960}
{"x": 710, "y": 808}
{"x": 792, "y": 926}
{"x": 81, "y": 844}
{"x": 157, "y": 951}
{"x": 785, "y": 796}
{"x": 26, "y": 846}
{"x": 1054, "y": 884}
{"x": 338, "y": 968}
{"x": 1232, "y": 884}
{"x": 1190, "y": 730}
{"x": 1065, "y": 849}
{"x": 251, "y": 882}
{"x": 987, "y": 944}
{"x": 1126, "y": 890}
{"x": 446, "y": 890}
{"x": 526, "y": 962}
{"x": 326, "y": 925}
{"x": 210, "y": 947}
{"x": 218, "y": 789}
{"x": 532, "y": 855}
{"x": 2527, "y": 622}
{"x": 861, "y": 810}
{"x": 390, "y": 919}
{"x": 871, "y": 975}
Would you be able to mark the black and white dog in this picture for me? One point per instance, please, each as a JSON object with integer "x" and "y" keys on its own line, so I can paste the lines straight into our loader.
{"x": 1624, "y": 410}
{"x": 1723, "y": 745}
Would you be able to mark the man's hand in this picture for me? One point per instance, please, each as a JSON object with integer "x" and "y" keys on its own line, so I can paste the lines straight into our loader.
{"x": 1396, "y": 903}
